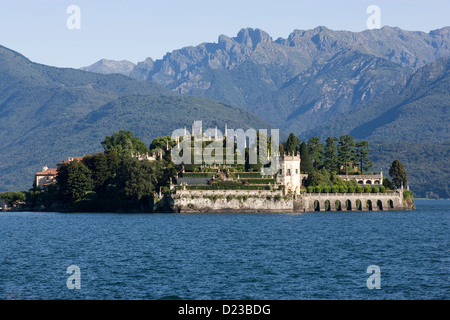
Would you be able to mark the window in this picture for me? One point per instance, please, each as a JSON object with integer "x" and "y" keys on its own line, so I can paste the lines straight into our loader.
{"x": 288, "y": 172}
{"x": 296, "y": 171}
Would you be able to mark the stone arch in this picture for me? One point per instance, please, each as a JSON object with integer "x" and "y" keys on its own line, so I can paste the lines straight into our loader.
{"x": 377, "y": 182}
{"x": 390, "y": 204}
{"x": 380, "y": 205}
{"x": 304, "y": 181}
{"x": 361, "y": 182}
{"x": 369, "y": 182}
{"x": 358, "y": 205}
{"x": 338, "y": 205}
{"x": 327, "y": 205}
{"x": 369, "y": 205}
{"x": 348, "y": 204}
{"x": 316, "y": 205}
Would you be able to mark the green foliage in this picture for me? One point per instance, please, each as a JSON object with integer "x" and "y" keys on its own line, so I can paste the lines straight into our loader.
{"x": 291, "y": 145}
{"x": 98, "y": 179}
{"x": 346, "y": 152}
{"x": 306, "y": 164}
{"x": 362, "y": 155}
{"x": 330, "y": 155}
{"x": 388, "y": 184}
{"x": 367, "y": 189}
{"x": 398, "y": 174}
{"x": 426, "y": 164}
{"x": 375, "y": 190}
{"x": 407, "y": 194}
{"x": 74, "y": 180}
{"x": 316, "y": 151}
{"x": 382, "y": 189}
{"x": 316, "y": 178}
{"x": 310, "y": 189}
{"x": 124, "y": 142}
{"x": 162, "y": 143}
{"x": 13, "y": 197}
{"x": 359, "y": 189}
{"x": 100, "y": 166}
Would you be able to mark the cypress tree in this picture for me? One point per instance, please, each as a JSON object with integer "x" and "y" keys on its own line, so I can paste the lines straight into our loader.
{"x": 398, "y": 173}
{"x": 330, "y": 155}
{"x": 362, "y": 155}
{"x": 346, "y": 152}
{"x": 291, "y": 145}
{"x": 316, "y": 150}
{"x": 306, "y": 164}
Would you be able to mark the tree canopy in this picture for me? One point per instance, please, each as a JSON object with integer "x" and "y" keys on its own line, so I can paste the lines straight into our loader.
{"x": 398, "y": 174}
{"x": 124, "y": 142}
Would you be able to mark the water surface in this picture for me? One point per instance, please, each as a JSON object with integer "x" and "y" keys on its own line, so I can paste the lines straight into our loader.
{"x": 317, "y": 255}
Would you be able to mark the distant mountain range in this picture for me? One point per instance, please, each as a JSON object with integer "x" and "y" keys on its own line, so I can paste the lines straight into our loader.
{"x": 305, "y": 81}
{"x": 389, "y": 86}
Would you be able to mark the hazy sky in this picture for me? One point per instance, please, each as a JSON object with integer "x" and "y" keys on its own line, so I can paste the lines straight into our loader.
{"x": 136, "y": 29}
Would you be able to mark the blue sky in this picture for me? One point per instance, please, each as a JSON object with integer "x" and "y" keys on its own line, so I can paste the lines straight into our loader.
{"x": 136, "y": 29}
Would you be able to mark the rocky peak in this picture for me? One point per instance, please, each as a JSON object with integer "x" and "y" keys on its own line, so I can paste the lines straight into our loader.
{"x": 252, "y": 37}
{"x": 106, "y": 66}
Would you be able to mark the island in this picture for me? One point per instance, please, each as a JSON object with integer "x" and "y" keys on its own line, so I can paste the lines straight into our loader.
{"x": 128, "y": 176}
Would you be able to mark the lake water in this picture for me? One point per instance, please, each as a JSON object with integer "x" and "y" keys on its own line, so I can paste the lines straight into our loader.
{"x": 317, "y": 255}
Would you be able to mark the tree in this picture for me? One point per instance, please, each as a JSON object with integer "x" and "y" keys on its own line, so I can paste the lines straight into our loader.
{"x": 162, "y": 144}
{"x": 362, "y": 155}
{"x": 99, "y": 166}
{"x": 281, "y": 149}
{"x": 74, "y": 180}
{"x": 262, "y": 151}
{"x": 316, "y": 151}
{"x": 124, "y": 142}
{"x": 398, "y": 174}
{"x": 321, "y": 177}
{"x": 306, "y": 165}
{"x": 291, "y": 145}
{"x": 136, "y": 179}
{"x": 13, "y": 197}
{"x": 346, "y": 152}
{"x": 388, "y": 183}
{"x": 330, "y": 155}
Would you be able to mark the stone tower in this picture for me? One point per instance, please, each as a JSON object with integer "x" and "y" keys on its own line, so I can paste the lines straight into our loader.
{"x": 289, "y": 173}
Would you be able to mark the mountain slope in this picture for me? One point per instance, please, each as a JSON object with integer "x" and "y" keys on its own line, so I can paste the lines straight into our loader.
{"x": 342, "y": 85}
{"x": 417, "y": 111}
{"x": 48, "y": 114}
